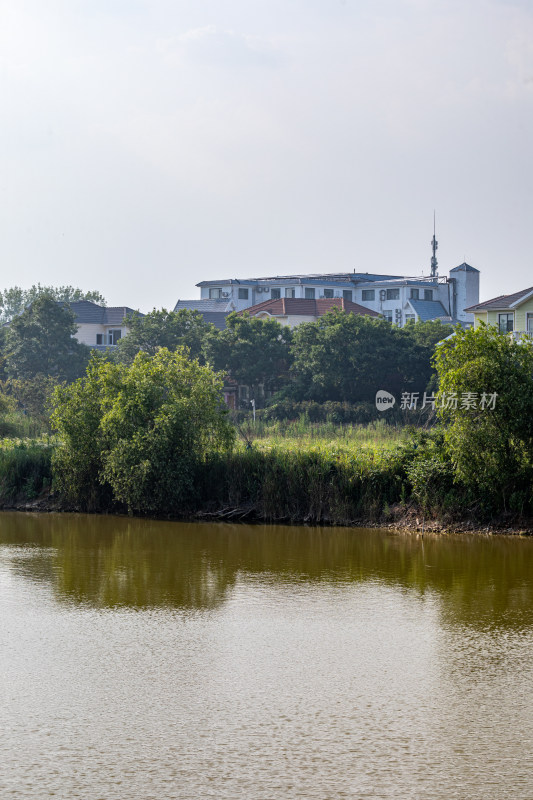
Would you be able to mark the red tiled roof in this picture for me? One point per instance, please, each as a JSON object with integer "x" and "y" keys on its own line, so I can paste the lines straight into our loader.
{"x": 301, "y": 307}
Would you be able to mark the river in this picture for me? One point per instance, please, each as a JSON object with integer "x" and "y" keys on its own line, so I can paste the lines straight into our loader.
{"x": 145, "y": 659}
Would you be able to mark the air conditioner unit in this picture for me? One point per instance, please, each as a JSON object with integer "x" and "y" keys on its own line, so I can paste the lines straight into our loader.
{"x": 225, "y": 294}
{"x": 382, "y": 294}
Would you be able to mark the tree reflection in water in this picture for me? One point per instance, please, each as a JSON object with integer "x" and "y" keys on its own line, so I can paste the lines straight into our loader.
{"x": 110, "y": 562}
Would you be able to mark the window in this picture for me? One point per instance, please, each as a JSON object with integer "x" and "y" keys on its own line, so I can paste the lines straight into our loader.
{"x": 388, "y": 315}
{"x": 111, "y": 337}
{"x": 328, "y": 293}
{"x": 347, "y": 294}
{"x": 215, "y": 294}
{"x": 275, "y": 294}
{"x": 289, "y": 292}
{"x": 415, "y": 294}
{"x": 428, "y": 294}
{"x": 368, "y": 294}
{"x": 529, "y": 326}
{"x": 505, "y": 322}
{"x": 243, "y": 294}
{"x": 409, "y": 318}
{"x": 309, "y": 294}
{"x": 393, "y": 294}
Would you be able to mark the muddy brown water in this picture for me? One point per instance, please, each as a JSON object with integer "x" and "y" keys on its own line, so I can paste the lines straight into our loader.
{"x": 143, "y": 659}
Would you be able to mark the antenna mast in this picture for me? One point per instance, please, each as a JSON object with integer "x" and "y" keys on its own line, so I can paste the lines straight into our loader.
{"x": 434, "y": 245}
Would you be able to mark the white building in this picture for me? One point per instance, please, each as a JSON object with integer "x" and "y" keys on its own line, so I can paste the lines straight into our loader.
{"x": 100, "y": 327}
{"x": 398, "y": 298}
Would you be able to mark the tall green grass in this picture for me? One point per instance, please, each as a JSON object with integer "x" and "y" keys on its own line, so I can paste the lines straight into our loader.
{"x": 310, "y": 485}
{"x": 25, "y": 471}
{"x": 17, "y": 425}
{"x": 301, "y": 433}
{"x": 354, "y": 478}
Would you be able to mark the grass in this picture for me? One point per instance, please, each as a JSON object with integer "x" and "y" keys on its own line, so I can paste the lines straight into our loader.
{"x": 26, "y": 442}
{"x": 300, "y": 435}
{"x": 15, "y": 425}
{"x": 299, "y": 471}
{"x": 25, "y": 458}
{"x": 318, "y": 483}
{"x": 25, "y": 471}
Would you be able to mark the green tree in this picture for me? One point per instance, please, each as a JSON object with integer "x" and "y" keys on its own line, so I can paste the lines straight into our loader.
{"x": 346, "y": 357}
{"x": 491, "y": 448}
{"x": 13, "y": 301}
{"x": 419, "y": 340}
{"x": 427, "y": 334}
{"x": 40, "y": 341}
{"x": 136, "y": 434}
{"x": 170, "y": 329}
{"x": 77, "y": 416}
{"x": 251, "y": 351}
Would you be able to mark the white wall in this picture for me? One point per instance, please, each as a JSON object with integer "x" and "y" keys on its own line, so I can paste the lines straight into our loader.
{"x": 86, "y": 333}
{"x": 467, "y": 293}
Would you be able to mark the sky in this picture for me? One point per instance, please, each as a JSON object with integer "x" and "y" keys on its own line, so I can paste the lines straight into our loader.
{"x": 146, "y": 145}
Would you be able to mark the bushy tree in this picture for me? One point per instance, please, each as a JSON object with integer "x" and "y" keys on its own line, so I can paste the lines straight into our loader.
{"x": 13, "y": 301}
{"x": 419, "y": 342}
{"x": 251, "y": 351}
{"x": 136, "y": 434}
{"x": 170, "y": 329}
{"x": 41, "y": 341}
{"x": 346, "y": 357}
{"x": 491, "y": 447}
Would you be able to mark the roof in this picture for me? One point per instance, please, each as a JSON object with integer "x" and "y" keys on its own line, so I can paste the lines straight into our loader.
{"x": 301, "y": 307}
{"x": 203, "y": 305}
{"x": 321, "y": 277}
{"x": 216, "y": 318}
{"x": 87, "y": 313}
{"x": 464, "y": 267}
{"x": 212, "y": 311}
{"x": 503, "y": 301}
{"x": 429, "y": 309}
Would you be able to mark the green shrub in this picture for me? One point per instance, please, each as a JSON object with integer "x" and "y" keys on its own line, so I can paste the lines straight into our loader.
{"x": 134, "y": 435}
{"x": 489, "y": 444}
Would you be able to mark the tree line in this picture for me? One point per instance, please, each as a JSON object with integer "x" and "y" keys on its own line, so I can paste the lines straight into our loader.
{"x": 153, "y": 437}
{"x": 340, "y": 358}
{"x": 144, "y": 425}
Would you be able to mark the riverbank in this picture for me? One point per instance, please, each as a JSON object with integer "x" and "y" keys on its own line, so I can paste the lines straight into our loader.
{"x": 311, "y": 486}
{"x": 410, "y": 520}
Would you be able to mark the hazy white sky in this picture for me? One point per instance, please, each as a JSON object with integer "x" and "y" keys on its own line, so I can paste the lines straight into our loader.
{"x": 149, "y": 144}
